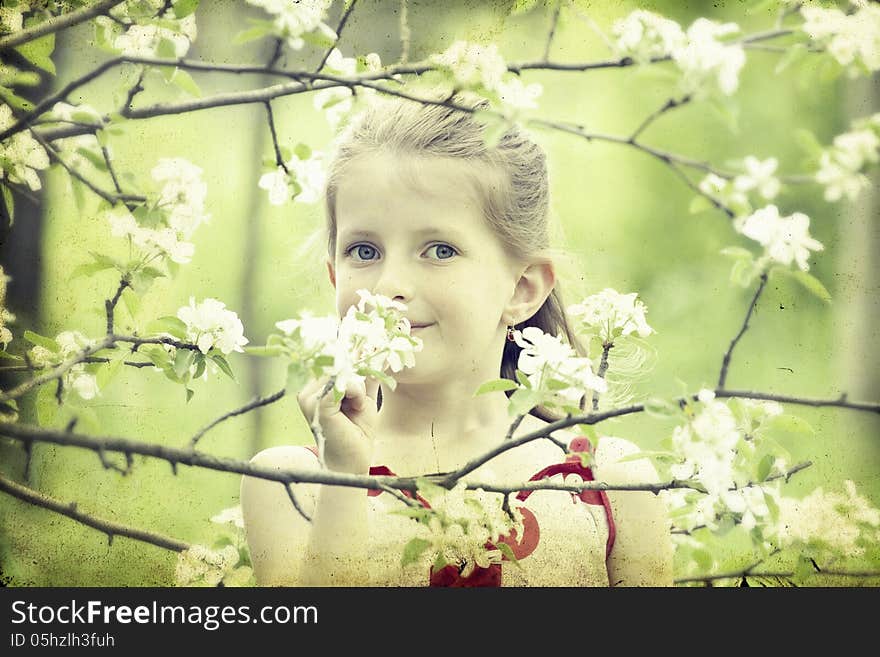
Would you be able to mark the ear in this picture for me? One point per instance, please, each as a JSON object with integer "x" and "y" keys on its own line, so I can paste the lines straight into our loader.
{"x": 332, "y": 273}
{"x": 533, "y": 287}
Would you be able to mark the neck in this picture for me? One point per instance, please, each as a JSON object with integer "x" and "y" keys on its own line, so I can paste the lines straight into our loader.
{"x": 432, "y": 427}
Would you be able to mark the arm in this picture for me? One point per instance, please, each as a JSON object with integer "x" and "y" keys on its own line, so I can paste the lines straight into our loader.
{"x": 286, "y": 549}
{"x": 642, "y": 552}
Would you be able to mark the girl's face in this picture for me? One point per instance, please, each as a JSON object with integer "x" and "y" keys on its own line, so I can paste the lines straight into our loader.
{"x": 429, "y": 246}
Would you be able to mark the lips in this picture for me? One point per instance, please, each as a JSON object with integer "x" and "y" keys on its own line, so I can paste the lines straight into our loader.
{"x": 416, "y": 327}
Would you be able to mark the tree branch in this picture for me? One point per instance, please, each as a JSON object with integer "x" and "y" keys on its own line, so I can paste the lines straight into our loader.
{"x": 553, "y": 24}
{"x": 670, "y": 104}
{"x": 603, "y": 368}
{"x": 722, "y": 377}
{"x": 71, "y": 511}
{"x": 58, "y": 23}
{"x": 256, "y": 403}
{"x": 279, "y": 160}
{"x": 110, "y": 304}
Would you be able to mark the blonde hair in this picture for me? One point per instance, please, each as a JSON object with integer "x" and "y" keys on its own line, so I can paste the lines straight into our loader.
{"x": 515, "y": 202}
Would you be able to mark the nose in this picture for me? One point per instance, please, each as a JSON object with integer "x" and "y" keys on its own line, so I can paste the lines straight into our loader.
{"x": 395, "y": 280}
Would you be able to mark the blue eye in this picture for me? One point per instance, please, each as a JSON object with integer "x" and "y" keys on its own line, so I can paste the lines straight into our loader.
{"x": 443, "y": 251}
{"x": 363, "y": 252}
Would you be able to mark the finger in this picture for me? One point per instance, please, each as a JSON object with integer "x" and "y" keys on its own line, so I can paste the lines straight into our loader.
{"x": 372, "y": 386}
{"x": 356, "y": 395}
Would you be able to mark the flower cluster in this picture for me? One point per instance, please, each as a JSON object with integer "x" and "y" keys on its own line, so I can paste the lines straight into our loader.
{"x": 299, "y": 179}
{"x": 716, "y": 449}
{"x": 733, "y": 192}
{"x": 152, "y": 28}
{"x": 202, "y": 566}
{"x": 463, "y": 526}
{"x": 785, "y": 239}
{"x": 371, "y": 338}
{"x": 210, "y": 326}
{"x": 852, "y": 39}
{"x": 69, "y": 345}
{"x": 164, "y": 228}
{"x": 703, "y": 60}
{"x": 20, "y": 155}
{"x": 481, "y": 68}
{"x": 554, "y": 375}
{"x": 610, "y": 314}
{"x": 291, "y": 20}
{"x": 842, "y": 524}
{"x": 11, "y": 17}
{"x": 338, "y": 102}
{"x": 841, "y": 165}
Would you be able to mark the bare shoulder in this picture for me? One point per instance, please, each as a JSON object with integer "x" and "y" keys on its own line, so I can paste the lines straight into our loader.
{"x": 286, "y": 456}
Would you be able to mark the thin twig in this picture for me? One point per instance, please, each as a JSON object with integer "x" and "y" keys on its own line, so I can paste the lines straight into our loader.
{"x": 603, "y": 368}
{"x": 106, "y": 154}
{"x": 339, "y": 29}
{"x": 513, "y": 426}
{"x": 71, "y": 511}
{"x": 670, "y": 104}
{"x": 553, "y": 24}
{"x": 279, "y": 159}
{"x": 57, "y": 23}
{"x": 289, "y": 490}
{"x": 256, "y": 403}
{"x": 110, "y": 304}
{"x": 725, "y": 363}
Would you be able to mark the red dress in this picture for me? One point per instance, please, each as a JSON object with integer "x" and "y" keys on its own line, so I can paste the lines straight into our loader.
{"x": 450, "y": 575}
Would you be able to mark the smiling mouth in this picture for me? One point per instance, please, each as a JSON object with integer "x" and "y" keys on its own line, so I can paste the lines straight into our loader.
{"x": 418, "y": 327}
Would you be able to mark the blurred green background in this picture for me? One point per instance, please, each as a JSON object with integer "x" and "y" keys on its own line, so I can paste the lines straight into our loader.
{"x": 622, "y": 216}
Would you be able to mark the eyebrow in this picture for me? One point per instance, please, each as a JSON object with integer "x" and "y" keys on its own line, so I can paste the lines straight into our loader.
{"x": 448, "y": 233}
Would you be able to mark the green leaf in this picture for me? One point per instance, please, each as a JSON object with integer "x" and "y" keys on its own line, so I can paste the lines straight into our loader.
{"x": 742, "y": 273}
{"x": 168, "y": 324}
{"x": 661, "y": 408}
{"x": 184, "y": 81}
{"x": 787, "y": 423}
{"x": 9, "y": 204}
{"x": 699, "y": 204}
{"x": 189, "y": 394}
{"x": 14, "y": 101}
{"x": 703, "y": 558}
{"x": 41, "y": 340}
{"x": 413, "y": 550}
{"x": 318, "y": 39}
{"x": 142, "y": 279}
{"x": 812, "y": 284}
{"x": 497, "y": 385}
{"x": 507, "y": 551}
{"x": 106, "y": 373}
{"x": 96, "y": 159}
{"x": 258, "y": 31}
{"x": 39, "y": 52}
{"x": 46, "y": 405}
{"x": 794, "y": 54}
{"x": 132, "y": 302}
{"x": 764, "y": 467}
{"x": 523, "y": 380}
{"x": 7, "y": 356}
{"x": 302, "y": 151}
{"x": 183, "y": 359}
{"x": 183, "y": 8}
{"x": 522, "y": 401}
{"x": 803, "y": 570}
{"x": 166, "y": 50}
{"x": 223, "y": 365}
{"x": 200, "y": 365}
{"x": 737, "y": 253}
{"x": 297, "y": 378}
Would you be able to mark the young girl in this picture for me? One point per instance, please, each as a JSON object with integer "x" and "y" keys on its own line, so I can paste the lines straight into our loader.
{"x": 421, "y": 211}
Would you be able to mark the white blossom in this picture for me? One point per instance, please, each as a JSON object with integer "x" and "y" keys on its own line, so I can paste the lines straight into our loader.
{"x": 610, "y": 313}
{"x": 303, "y": 181}
{"x": 209, "y": 325}
{"x": 145, "y": 40}
{"x": 232, "y": 515}
{"x": 853, "y": 40}
{"x": 21, "y": 154}
{"x": 724, "y": 191}
{"x": 706, "y": 62}
{"x": 182, "y": 195}
{"x": 164, "y": 240}
{"x": 83, "y": 112}
{"x": 473, "y": 65}
{"x": 5, "y": 316}
{"x": 785, "y": 239}
{"x": 277, "y": 183}
{"x": 545, "y": 358}
{"x": 337, "y": 102}
{"x": 70, "y": 345}
{"x": 518, "y": 96}
{"x": 759, "y": 176}
{"x": 201, "y": 565}
{"x": 10, "y": 19}
{"x": 372, "y": 335}
{"x": 840, "y": 165}
{"x": 644, "y": 35}
{"x": 293, "y": 19}
{"x": 836, "y": 521}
